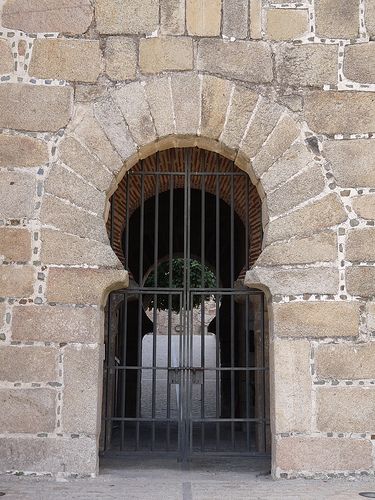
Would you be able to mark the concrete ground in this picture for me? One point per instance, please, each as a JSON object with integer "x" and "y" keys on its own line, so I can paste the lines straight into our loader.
{"x": 165, "y": 480}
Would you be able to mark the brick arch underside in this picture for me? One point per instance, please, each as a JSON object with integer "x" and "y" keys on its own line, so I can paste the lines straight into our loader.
{"x": 247, "y": 203}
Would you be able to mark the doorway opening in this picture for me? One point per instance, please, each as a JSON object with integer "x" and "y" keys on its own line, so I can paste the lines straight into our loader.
{"x": 186, "y": 369}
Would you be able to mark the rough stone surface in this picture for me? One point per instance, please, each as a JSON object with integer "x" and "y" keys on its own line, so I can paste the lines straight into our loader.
{"x": 66, "y": 217}
{"x": 6, "y": 58}
{"x": 113, "y": 124}
{"x": 292, "y": 386}
{"x": 22, "y": 151}
{"x": 332, "y": 112}
{"x": 39, "y": 454}
{"x": 91, "y": 134}
{"x": 345, "y": 409}
{"x": 287, "y": 24}
{"x": 66, "y": 59}
{"x": 28, "y": 364}
{"x": 120, "y": 58}
{"x": 165, "y": 54}
{"x": 159, "y": 97}
{"x": 203, "y": 18}
{"x": 79, "y": 411}
{"x": 306, "y": 65}
{"x": 118, "y": 17}
{"x": 364, "y": 206}
{"x": 294, "y": 281}
{"x": 34, "y": 108}
{"x": 318, "y": 248}
{"x": 361, "y": 280}
{"x": 296, "y": 158}
{"x": 28, "y": 410}
{"x": 75, "y": 156}
{"x": 40, "y": 16}
{"x": 83, "y": 286}
{"x": 56, "y": 324}
{"x": 353, "y": 162}
{"x": 247, "y": 61}
{"x": 64, "y": 184}
{"x": 256, "y": 19}
{"x": 345, "y": 361}
{"x": 60, "y": 248}
{"x": 370, "y": 18}
{"x": 132, "y": 102}
{"x": 17, "y": 193}
{"x": 215, "y": 99}
{"x": 235, "y": 18}
{"x": 264, "y": 120}
{"x": 16, "y": 281}
{"x": 335, "y": 454}
{"x": 371, "y": 317}
{"x": 316, "y": 319}
{"x": 2, "y": 313}
{"x": 321, "y": 214}
{"x": 172, "y": 17}
{"x": 302, "y": 187}
{"x": 15, "y": 244}
{"x": 186, "y": 97}
{"x": 280, "y": 139}
{"x": 337, "y": 19}
{"x": 361, "y": 245}
{"x": 241, "y": 108}
{"x": 359, "y": 64}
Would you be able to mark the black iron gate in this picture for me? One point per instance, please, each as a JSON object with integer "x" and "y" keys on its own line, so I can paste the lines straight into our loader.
{"x": 187, "y": 356}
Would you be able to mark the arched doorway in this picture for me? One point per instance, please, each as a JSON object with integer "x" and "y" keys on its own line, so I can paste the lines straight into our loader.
{"x": 187, "y": 347}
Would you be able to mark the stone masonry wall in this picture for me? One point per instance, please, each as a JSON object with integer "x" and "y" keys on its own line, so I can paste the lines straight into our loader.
{"x": 287, "y": 90}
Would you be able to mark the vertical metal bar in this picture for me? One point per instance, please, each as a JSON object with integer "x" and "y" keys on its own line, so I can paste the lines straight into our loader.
{"x": 128, "y": 180}
{"x": 247, "y": 363}
{"x": 247, "y": 299}
{"x": 189, "y": 343}
{"x": 218, "y": 298}
{"x": 232, "y": 230}
{"x": 140, "y": 306}
{"x": 203, "y": 262}
{"x": 125, "y": 313}
{"x": 232, "y": 311}
{"x": 170, "y": 298}
{"x": 181, "y": 431}
{"x": 203, "y": 227}
{"x": 264, "y": 373}
{"x": 232, "y": 373}
{"x": 247, "y": 239}
{"x": 217, "y": 246}
{"x": 108, "y": 421}
{"x": 124, "y": 362}
{"x": 183, "y": 364}
{"x": 155, "y": 317}
{"x": 141, "y": 228}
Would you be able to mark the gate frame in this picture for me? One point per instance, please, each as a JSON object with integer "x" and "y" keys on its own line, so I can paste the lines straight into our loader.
{"x": 185, "y": 431}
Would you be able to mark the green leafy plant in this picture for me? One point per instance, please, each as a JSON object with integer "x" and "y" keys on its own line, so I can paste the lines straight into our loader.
{"x": 200, "y": 277}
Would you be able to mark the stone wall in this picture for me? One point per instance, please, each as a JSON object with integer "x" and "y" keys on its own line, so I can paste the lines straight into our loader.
{"x": 286, "y": 90}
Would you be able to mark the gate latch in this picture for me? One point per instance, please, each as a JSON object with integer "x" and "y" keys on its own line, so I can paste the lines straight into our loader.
{"x": 197, "y": 376}
{"x": 174, "y": 376}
